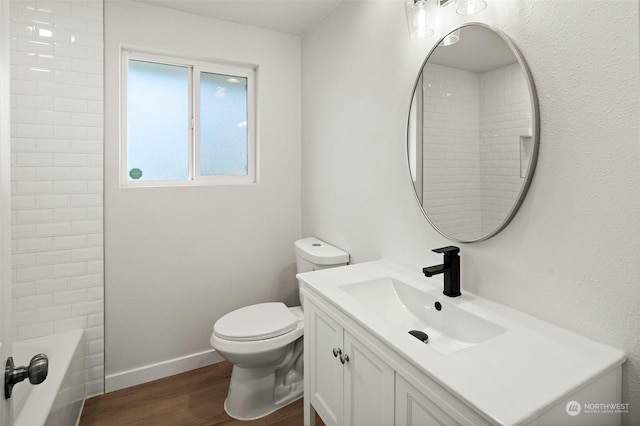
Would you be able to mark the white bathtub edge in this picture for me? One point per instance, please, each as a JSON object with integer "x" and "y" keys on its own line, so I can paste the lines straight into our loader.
{"x": 160, "y": 370}
{"x": 42, "y": 394}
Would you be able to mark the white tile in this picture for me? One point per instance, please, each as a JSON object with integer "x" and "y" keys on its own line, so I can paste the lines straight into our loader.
{"x": 52, "y": 285}
{"x": 53, "y": 145}
{"x": 70, "y": 187}
{"x": 53, "y": 229}
{"x": 34, "y": 302}
{"x": 85, "y": 308}
{"x": 69, "y": 132}
{"x": 95, "y": 187}
{"x": 53, "y": 117}
{"x": 95, "y": 212}
{"x": 74, "y": 241}
{"x": 68, "y": 324}
{"x": 71, "y": 50}
{"x": 24, "y": 260}
{"x": 95, "y": 346}
{"x": 69, "y": 296}
{"x": 87, "y": 146}
{"x": 55, "y": 90}
{"x": 94, "y": 333}
{"x": 54, "y": 173}
{"x": 95, "y": 240}
{"x": 56, "y": 156}
{"x": 19, "y": 290}
{"x": 25, "y": 318}
{"x": 35, "y": 330}
{"x": 95, "y": 267}
{"x": 34, "y": 187}
{"x": 87, "y": 119}
{"x": 54, "y": 313}
{"x": 33, "y": 216}
{"x": 69, "y": 269}
{"x": 27, "y": 245}
{"x": 52, "y": 201}
{"x": 71, "y": 159}
{"x": 24, "y": 87}
{"x": 69, "y": 104}
{"x": 21, "y": 145}
{"x": 91, "y": 253}
{"x": 95, "y": 293}
{"x": 71, "y": 23}
{"x": 33, "y": 273}
{"x": 53, "y": 257}
{"x": 69, "y": 214}
{"x": 86, "y": 281}
{"x": 87, "y": 92}
{"x": 34, "y": 159}
{"x": 34, "y": 130}
{"x": 86, "y": 227}
{"x": 94, "y": 320}
{"x": 23, "y": 173}
{"x": 95, "y": 360}
{"x": 87, "y": 173}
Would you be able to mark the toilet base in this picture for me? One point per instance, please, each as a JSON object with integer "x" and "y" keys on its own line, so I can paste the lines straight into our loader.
{"x": 253, "y": 394}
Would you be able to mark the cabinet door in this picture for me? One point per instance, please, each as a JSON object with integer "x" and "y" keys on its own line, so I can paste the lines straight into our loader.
{"x": 415, "y": 409}
{"x": 323, "y": 369}
{"x": 368, "y": 386}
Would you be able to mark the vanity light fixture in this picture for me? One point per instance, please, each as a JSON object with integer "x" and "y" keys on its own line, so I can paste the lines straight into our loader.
{"x": 469, "y": 7}
{"x": 420, "y": 15}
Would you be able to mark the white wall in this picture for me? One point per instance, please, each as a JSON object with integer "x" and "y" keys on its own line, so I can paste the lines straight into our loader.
{"x": 570, "y": 256}
{"x": 56, "y": 174}
{"x": 177, "y": 259}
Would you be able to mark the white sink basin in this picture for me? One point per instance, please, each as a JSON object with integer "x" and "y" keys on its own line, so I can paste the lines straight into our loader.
{"x": 450, "y": 329}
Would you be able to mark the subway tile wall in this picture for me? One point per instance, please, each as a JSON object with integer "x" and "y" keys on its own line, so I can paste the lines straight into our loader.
{"x": 471, "y": 159}
{"x": 451, "y": 154}
{"x": 57, "y": 173}
{"x": 505, "y": 116}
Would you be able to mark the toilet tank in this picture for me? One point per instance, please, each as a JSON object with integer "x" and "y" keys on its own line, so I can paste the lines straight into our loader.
{"x": 313, "y": 254}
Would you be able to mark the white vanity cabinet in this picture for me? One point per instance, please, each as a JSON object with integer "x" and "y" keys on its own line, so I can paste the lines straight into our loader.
{"x": 349, "y": 379}
{"x": 361, "y": 366}
{"x": 347, "y": 383}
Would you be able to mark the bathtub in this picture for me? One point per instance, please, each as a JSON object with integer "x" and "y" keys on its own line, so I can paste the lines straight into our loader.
{"x": 58, "y": 400}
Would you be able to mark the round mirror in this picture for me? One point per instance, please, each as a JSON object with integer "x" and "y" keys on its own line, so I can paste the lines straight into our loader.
{"x": 472, "y": 138}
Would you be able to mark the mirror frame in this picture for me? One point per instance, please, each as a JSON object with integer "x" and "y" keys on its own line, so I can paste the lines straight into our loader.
{"x": 535, "y": 132}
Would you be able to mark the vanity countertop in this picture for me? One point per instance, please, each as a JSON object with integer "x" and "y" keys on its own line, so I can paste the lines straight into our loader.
{"x": 511, "y": 377}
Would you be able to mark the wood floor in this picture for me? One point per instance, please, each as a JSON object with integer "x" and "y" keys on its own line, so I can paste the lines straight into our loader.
{"x": 189, "y": 399}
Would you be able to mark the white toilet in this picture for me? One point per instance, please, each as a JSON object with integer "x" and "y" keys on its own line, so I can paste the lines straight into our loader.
{"x": 264, "y": 343}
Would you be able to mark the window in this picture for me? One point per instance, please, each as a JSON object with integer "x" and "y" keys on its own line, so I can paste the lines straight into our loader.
{"x": 186, "y": 122}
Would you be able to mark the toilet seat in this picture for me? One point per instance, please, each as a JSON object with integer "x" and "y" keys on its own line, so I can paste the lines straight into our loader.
{"x": 255, "y": 322}
{"x": 253, "y": 346}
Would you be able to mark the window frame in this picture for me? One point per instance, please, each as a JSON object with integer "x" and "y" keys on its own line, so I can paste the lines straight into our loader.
{"x": 194, "y": 68}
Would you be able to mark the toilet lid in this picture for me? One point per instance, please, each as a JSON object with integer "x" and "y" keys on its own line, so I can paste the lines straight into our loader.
{"x": 256, "y": 322}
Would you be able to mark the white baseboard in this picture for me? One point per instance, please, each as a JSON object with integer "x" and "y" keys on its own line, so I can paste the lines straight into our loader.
{"x": 148, "y": 373}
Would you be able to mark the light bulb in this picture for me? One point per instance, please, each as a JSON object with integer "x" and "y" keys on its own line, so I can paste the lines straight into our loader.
{"x": 418, "y": 18}
{"x": 469, "y": 7}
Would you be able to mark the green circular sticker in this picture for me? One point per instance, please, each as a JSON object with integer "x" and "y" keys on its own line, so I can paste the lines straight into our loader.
{"x": 135, "y": 173}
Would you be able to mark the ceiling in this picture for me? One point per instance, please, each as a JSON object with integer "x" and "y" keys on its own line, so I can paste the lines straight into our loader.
{"x": 288, "y": 16}
{"x": 479, "y": 50}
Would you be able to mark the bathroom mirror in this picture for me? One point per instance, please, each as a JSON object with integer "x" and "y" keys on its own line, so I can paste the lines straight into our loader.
{"x": 472, "y": 134}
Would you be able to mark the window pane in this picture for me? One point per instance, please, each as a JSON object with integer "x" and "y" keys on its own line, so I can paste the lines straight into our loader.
{"x": 157, "y": 121}
{"x": 223, "y": 125}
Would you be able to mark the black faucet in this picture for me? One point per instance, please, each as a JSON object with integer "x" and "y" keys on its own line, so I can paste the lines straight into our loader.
{"x": 450, "y": 268}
